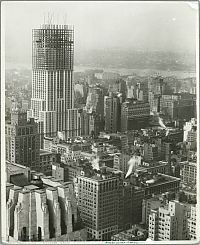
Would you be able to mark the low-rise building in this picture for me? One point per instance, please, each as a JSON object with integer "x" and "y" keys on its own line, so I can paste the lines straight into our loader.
{"x": 47, "y": 158}
{"x": 68, "y": 172}
{"x": 136, "y": 233}
{"x": 17, "y": 174}
{"x": 155, "y": 184}
{"x": 153, "y": 167}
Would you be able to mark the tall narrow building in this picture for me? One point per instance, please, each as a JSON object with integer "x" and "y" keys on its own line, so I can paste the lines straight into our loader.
{"x": 22, "y": 140}
{"x": 112, "y": 110}
{"x": 52, "y": 77}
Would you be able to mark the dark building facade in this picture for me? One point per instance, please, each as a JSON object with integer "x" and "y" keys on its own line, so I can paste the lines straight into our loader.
{"x": 22, "y": 141}
{"x": 112, "y": 113}
{"x": 180, "y": 106}
{"x": 119, "y": 86}
{"x": 108, "y": 204}
{"x": 98, "y": 201}
{"x": 134, "y": 115}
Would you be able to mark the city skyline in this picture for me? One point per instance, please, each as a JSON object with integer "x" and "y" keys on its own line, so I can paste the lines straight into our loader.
{"x": 100, "y": 155}
{"x": 173, "y": 25}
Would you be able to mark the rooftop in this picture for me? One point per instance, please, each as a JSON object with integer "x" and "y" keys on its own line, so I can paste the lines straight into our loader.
{"x": 100, "y": 177}
{"x": 40, "y": 190}
{"x": 14, "y": 168}
{"x": 149, "y": 180}
{"x": 9, "y": 184}
{"x": 31, "y": 187}
{"x": 53, "y": 26}
{"x": 19, "y": 180}
{"x": 45, "y": 152}
{"x": 152, "y": 164}
{"x": 132, "y": 234}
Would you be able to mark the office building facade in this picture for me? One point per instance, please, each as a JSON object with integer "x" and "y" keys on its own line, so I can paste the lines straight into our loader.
{"x": 22, "y": 140}
{"x": 52, "y": 77}
{"x": 112, "y": 113}
{"x": 98, "y": 201}
{"x": 169, "y": 222}
{"x": 134, "y": 115}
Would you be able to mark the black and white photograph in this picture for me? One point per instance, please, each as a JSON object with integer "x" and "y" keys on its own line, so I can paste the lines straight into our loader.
{"x": 100, "y": 122}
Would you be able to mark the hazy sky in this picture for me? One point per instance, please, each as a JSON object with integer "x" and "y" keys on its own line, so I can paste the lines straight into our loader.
{"x": 169, "y": 26}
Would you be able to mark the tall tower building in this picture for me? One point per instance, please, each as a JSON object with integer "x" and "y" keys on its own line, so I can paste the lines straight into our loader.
{"x": 95, "y": 101}
{"x": 52, "y": 72}
{"x": 112, "y": 113}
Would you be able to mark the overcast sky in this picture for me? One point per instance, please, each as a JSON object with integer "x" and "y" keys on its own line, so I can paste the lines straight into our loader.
{"x": 165, "y": 26}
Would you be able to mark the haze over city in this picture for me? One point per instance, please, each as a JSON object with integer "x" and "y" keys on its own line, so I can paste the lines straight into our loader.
{"x": 111, "y": 26}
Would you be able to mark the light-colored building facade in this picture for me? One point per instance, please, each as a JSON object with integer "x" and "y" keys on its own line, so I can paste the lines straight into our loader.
{"x": 192, "y": 223}
{"x": 188, "y": 172}
{"x": 52, "y": 101}
{"x": 169, "y": 222}
{"x": 35, "y": 214}
{"x": 121, "y": 161}
{"x": 190, "y": 133}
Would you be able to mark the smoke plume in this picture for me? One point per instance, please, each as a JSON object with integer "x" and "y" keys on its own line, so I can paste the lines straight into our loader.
{"x": 161, "y": 123}
{"x": 163, "y": 126}
{"x": 95, "y": 163}
{"x": 133, "y": 162}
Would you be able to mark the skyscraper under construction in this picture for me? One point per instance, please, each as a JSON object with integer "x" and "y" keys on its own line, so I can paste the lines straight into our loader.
{"x": 52, "y": 83}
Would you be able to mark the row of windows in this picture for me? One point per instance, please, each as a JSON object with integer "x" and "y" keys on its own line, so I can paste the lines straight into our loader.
{"x": 25, "y": 131}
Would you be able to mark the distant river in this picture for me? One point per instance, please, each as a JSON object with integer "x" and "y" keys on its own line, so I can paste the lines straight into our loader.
{"x": 140, "y": 72}
{"x": 121, "y": 71}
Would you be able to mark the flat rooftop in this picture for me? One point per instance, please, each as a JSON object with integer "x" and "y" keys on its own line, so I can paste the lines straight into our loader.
{"x": 44, "y": 152}
{"x": 31, "y": 187}
{"x": 157, "y": 179}
{"x": 14, "y": 168}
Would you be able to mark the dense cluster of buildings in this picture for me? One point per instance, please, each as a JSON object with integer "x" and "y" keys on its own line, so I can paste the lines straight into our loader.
{"x": 109, "y": 169}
